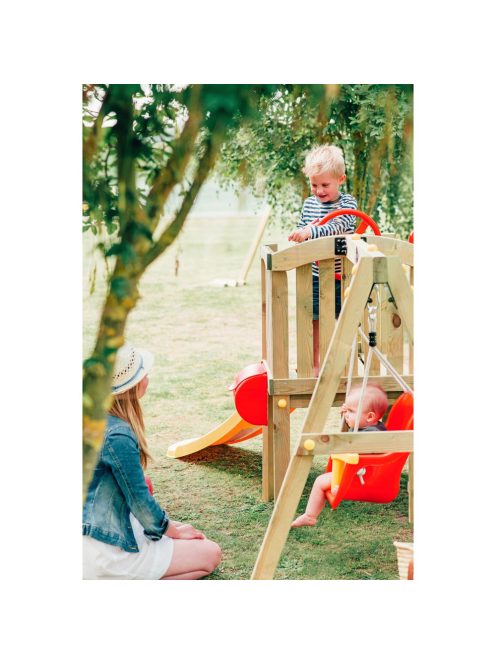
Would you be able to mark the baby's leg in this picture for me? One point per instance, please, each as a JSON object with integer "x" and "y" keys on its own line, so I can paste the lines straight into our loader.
{"x": 315, "y": 503}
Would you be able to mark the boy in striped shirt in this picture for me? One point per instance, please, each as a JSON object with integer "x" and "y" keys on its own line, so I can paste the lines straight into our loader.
{"x": 324, "y": 167}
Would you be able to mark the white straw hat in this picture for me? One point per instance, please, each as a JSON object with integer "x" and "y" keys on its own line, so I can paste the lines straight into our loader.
{"x": 131, "y": 365}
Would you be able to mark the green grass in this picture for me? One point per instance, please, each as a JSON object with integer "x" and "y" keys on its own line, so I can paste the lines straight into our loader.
{"x": 202, "y": 336}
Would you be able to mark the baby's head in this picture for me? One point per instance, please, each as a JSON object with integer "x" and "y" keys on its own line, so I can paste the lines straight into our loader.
{"x": 375, "y": 404}
{"x": 324, "y": 167}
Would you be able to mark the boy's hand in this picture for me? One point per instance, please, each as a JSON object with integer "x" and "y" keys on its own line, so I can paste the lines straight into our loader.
{"x": 300, "y": 235}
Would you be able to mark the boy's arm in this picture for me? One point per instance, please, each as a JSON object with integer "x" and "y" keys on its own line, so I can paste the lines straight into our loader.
{"x": 301, "y": 223}
{"x": 302, "y": 231}
{"x": 343, "y": 223}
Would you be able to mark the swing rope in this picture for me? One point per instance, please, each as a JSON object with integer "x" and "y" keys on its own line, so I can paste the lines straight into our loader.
{"x": 350, "y": 375}
{"x": 388, "y": 366}
{"x": 372, "y": 314}
{"x": 372, "y": 346}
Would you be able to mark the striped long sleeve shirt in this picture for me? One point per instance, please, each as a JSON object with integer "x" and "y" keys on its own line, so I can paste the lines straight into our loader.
{"x": 313, "y": 209}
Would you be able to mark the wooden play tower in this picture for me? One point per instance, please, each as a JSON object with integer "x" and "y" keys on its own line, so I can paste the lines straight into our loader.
{"x": 376, "y": 270}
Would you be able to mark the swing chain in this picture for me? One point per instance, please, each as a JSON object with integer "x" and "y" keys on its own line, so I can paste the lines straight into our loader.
{"x": 372, "y": 313}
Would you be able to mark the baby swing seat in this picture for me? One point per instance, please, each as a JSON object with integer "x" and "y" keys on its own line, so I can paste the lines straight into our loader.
{"x": 372, "y": 478}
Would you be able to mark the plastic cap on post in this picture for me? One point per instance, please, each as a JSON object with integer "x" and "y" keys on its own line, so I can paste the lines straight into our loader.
{"x": 309, "y": 444}
{"x": 282, "y": 403}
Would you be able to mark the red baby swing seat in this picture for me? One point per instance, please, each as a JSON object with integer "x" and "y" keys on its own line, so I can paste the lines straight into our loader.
{"x": 376, "y": 477}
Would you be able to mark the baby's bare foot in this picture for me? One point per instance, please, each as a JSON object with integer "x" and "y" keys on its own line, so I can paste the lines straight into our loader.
{"x": 304, "y": 520}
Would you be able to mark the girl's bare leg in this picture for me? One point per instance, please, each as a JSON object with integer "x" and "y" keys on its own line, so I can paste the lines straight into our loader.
{"x": 315, "y": 503}
{"x": 192, "y": 559}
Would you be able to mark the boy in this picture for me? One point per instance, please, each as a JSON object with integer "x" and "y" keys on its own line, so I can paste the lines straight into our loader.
{"x": 374, "y": 406}
{"x": 324, "y": 167}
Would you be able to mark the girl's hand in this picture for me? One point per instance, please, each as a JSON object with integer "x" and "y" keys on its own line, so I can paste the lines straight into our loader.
{"x": 186, "y": 531}
{"x": 300, "y": 235}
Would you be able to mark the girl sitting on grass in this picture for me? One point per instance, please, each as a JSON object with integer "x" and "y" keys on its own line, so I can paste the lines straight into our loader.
{"x": 126, "y": 534}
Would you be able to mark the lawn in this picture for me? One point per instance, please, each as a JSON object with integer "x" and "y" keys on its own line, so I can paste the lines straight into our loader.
{"x": 202, "y": 335}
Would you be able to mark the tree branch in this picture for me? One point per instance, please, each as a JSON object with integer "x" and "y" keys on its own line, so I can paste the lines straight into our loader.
{"x": 173, "y": 172}
{"x": 90, "y": 144}
{"x": 205, "y": 165}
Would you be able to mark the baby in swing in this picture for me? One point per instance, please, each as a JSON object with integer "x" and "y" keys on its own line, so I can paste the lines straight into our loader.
{"x": 374, "y": 406}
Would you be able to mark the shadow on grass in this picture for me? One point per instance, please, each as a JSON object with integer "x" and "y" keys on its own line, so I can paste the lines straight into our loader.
{"x": 229, "y": 459}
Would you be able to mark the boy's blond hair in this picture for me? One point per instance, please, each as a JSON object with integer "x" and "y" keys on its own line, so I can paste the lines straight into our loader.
{"x": 324, "y": 159}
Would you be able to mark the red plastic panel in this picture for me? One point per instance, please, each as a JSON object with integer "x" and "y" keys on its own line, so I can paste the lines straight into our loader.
{"x": 250, "y": 394}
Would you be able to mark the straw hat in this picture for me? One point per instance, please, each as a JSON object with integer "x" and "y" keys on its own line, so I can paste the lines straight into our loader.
{"x": 131, "y": 365}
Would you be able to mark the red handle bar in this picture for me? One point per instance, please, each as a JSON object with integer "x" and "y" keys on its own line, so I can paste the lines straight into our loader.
{"x": 366, "y": 220}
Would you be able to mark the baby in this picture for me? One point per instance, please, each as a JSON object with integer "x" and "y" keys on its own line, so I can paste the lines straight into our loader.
{"x": 374, "y": 406}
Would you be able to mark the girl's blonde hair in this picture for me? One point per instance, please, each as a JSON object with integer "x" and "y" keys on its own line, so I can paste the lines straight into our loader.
{"x": 324, "y": 159}
{"x": 128, "y": 408}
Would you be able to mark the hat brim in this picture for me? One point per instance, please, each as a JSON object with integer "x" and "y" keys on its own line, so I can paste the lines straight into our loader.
{"x": 148, "y": 360}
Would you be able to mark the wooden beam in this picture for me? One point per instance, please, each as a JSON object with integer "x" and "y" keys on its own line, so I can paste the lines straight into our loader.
{"x": 402, "y": 293}
{"x": 300, "y": 386}
{"x": 303, "y": 400}
{"x": 282, "y": 516}
{"x": 394, "y": 247}
{"x": 361, "y": 442}
{"x": 303, "y": 253}
{"x": 266, "y": 253}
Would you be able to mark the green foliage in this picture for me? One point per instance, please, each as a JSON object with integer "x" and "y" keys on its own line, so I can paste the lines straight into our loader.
{"x": 139, "y": 144}
{"x": 371, "y": 123}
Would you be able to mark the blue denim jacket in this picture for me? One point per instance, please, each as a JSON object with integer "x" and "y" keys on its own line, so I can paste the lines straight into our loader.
{"x": 118, "y": 487}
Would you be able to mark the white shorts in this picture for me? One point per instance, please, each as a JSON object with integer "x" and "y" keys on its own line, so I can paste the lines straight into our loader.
{"x": 106, "y": 561}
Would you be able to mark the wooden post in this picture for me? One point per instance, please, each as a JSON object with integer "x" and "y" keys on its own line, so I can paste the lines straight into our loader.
{"x": 327, "y": 299}
{"x": 304, "y": 331}
{"x": 277, "y": 323}
{"x": 281, "y": 441}
{"x": 393, "y": 334}
{"x": 264, "y": 309}
{"x": 410, "y": 345}
{"x": 402, "y": 293}
{"x": 280, "y": 522}
{"x": 277, "y": 440}
{"x": 410, "y": 488}
{"x": 268, "y": 453}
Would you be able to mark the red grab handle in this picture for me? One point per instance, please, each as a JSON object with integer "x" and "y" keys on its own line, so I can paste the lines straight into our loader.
{"x": 366, "y": 220}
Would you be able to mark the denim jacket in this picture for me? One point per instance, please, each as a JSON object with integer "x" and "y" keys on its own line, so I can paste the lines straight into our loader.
{"x": 118, "y": 487}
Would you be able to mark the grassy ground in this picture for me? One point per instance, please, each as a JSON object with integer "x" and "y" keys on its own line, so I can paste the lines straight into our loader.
{"x": 202, "y": 336}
